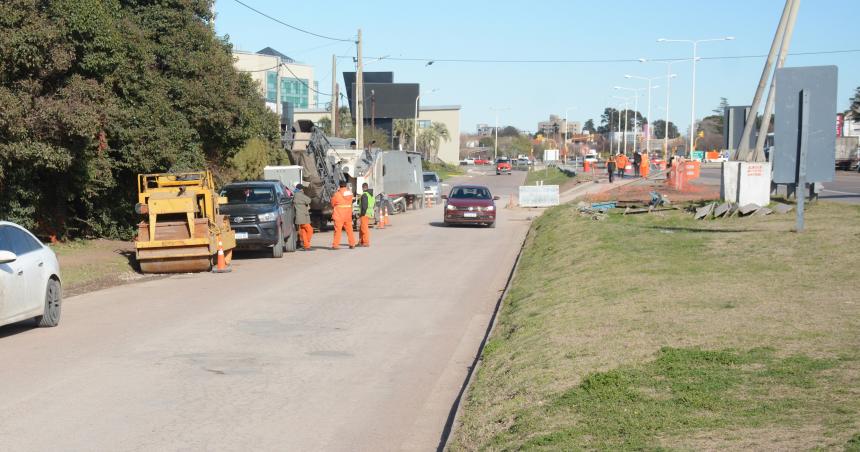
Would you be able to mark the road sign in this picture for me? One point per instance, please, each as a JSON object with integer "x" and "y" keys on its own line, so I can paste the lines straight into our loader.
{"x": 818, "y": 83}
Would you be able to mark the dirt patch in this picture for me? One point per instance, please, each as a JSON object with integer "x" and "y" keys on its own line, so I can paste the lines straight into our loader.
{"x": 640, "y": 192}
{"x": 90, "y": 265}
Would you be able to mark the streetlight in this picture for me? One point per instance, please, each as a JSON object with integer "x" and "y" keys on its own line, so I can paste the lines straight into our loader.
{"x": 496, "y": 141}
{"x": 695, "y": 43}
{"x": 415, "y": 123}
{"x": 566, "y": 110}
{"x": 624, "y": 131}
{"x": 635, "y": 112}
{"x": 668, "y": 77}
{"x": 668, "y": 93}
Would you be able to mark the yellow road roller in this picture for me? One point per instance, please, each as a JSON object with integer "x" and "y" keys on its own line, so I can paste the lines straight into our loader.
{"x": 182, "y": 226}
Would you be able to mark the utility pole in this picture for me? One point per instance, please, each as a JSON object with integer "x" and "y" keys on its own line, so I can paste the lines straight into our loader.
{"x": 359, "y": 97}
{"x": 334, "y": 92}
{"x": 743, "y": 150}
{"x": 758, "y": 155}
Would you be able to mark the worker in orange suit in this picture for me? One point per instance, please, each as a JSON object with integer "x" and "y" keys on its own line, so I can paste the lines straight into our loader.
{"x": 366, "y": 204}
{"x": 341, "y": 215}
{"x": 621, "y": 163}
{"x": 302, "y": 204}
{"x": 645, "y": 165}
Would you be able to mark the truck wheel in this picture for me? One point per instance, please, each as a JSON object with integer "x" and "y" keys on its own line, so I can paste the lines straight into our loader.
{"x": 53, "y": 304}
{"x": 278, "y": 248}
{"x": 291, "y": 241}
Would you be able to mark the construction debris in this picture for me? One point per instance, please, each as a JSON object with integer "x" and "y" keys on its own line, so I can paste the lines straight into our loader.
{"x": 782, "y": 208}
{"x": 722, "y": 209}
{"x": 762, "y": 212}
{"x": 703, "y": 212}
{"x": 749, "y": 209}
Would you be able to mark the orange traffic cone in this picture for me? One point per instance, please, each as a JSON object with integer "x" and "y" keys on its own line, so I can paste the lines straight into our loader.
{"x": 380, "y": 220}
{"x": 430, "y": 201}
{"x": 222, "y": 262}
{"x": 387, "y": 220}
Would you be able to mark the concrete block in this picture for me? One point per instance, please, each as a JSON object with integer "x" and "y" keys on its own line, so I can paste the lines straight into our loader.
{"x": 722, "y": 209}
{"x": 754, "y": 183}
{"x": 782, "y": 208}
{"x": 729, "y": 181}
{"x": 703, "y": 212}
{"x": 748, "y": 209}
{"x": 762, "y": 212}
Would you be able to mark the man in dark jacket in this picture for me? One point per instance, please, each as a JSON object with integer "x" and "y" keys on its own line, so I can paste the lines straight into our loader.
{"x": 637, "y": 161}
{"x": 302, "y": 204}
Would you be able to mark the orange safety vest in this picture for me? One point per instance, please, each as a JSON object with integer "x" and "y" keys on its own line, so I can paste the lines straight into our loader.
{"x": 341, "y": 203}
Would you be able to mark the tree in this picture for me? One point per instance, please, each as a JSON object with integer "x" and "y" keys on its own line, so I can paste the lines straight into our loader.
{"x": 660, "y": 129}
{"x": 431, "y": 138}
{"x": 855, "y": 104}
{"x": 589, "y": 126}
{"x": 509, "y": 131}
{"x": 115, "y": 88}
{"x": 403, "y": 130}
{"x": 325, "y": 125}
{"x": 376, "y": 138}
{"x": 345, "y": 127}
{"x": 609, "y": 121}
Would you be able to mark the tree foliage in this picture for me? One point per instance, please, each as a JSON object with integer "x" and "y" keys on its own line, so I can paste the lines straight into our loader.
{"x": 660, "y": 129}
{"x": 509, "y": 131}
{"x": 93, "y": 92}
{"x": 855, "y": 104}
{"x": 589, "y": 126}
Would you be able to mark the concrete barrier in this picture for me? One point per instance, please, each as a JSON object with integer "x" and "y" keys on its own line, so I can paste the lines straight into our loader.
{"x": 538, "y": 195}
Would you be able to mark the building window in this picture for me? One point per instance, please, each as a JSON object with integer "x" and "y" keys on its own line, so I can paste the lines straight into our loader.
{"x": 295, "y": 91}
{"x": 423, "y": 123}
{"x": 271, "y": 86}
{"x": 316, "y": 95}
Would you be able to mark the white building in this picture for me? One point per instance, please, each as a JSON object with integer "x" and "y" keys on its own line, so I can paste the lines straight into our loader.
{"x": 279, "y": 78}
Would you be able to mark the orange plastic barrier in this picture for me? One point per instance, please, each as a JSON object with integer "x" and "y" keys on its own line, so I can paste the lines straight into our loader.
{"x": 712, "y": 155}
{"x": 586, "y": 166}
{"x": 678, "y": 174}
{"x": 692, "y": 169}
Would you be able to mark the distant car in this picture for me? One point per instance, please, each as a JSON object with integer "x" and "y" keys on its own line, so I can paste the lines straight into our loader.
{"x": 591, "y": 158}
{"x": 433, "y": 184}
{"x": 503, "y": 165}
{"x": 29, "y": 278}
{"x": 261, "y": 213}
{"x": 467, "y": 161}
{"x": 482, "y": 161}
{"x": 470, "y": 204}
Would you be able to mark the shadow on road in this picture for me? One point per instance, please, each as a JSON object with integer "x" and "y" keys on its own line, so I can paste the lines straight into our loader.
{"x": 17, "y": 328}
{"x": 440, "y": 224}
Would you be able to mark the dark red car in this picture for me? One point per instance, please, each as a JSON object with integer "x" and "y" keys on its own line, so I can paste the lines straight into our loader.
{"x": 470, "y": 204}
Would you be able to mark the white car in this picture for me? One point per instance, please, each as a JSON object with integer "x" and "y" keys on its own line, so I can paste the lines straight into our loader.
{"x": 29, "y": 278}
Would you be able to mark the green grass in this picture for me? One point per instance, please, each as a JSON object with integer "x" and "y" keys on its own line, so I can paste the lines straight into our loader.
{"x": 444, "y": 170}
{"x": 549, "y": 176}
{"x": 659, "y": 332}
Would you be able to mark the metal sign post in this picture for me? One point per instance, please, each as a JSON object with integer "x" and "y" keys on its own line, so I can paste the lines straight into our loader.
{"x": 801, "y": 158}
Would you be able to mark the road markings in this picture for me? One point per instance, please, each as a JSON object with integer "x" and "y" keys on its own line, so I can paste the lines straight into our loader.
{"x": 840, "y": 192}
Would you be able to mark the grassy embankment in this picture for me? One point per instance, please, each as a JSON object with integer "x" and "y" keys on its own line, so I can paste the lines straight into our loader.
{"x": 553, "y": 176}
{"x": 650, "y": 332}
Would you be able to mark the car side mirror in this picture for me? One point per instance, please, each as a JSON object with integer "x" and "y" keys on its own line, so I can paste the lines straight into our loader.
{"x": 496, "y": 198}
{"x": 7, "y": 257}
{"x": 444, "y": 196}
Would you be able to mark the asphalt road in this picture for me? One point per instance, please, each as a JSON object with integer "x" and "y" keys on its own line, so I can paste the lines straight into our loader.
{"x": 361, "y": 349}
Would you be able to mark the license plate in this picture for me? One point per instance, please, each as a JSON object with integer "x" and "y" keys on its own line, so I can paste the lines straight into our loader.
{"x": 470, "y": 215}
{"x": 241, "y": 235}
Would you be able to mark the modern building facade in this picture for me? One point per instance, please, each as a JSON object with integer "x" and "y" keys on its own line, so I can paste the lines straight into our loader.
{"x": 485, "y": 130}
{"x": 280, "y": 78}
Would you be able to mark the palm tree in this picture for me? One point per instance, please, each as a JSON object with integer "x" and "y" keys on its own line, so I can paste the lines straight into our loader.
{"x": 431, "y": 138}
{"x": 403, "y": 130}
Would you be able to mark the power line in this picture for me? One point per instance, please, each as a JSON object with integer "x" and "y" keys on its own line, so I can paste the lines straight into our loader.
{"x": 290, "y": 26}
{"x": 597, "y": 61}
{"x": 302, "y": 81}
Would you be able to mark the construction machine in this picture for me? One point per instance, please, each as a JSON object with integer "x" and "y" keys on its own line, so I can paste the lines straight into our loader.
{"x": 310, "y": 149}
{"x": 182, "y": 225}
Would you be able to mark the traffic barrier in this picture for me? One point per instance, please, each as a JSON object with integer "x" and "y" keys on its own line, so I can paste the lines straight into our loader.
{"x": 586, "y": 166}
{"x": 692, "y": 170}
{"x": 221, "y": 266}
{"x": 538, "y": 196}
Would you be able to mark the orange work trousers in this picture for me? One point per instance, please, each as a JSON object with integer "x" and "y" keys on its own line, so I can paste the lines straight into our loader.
{"x": 340, "y": 225}
{"x": 306, "y": 232}
{"x": 364, "y": 231}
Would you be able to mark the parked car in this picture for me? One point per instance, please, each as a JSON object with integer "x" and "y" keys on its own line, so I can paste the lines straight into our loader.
{"x": 467, "y": 161}
{"x": 29, "y": 278}
{"x": 470, "y": 204}
{"x": 433, "y": 184}
{"x": 482, "y": 161}
{"x": 261, "y": 213}
{"x": 503, "y": 165}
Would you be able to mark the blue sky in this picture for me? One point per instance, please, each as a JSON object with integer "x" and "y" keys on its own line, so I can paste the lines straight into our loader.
{"x": 552, "y": 30}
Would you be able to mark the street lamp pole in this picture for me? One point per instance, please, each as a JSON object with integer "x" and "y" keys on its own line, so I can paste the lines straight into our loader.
{"x": 415, "y": 126}
{"x": 496, "y": 141}
{"x": 624, "y": 131}
{"x": 635, "y": 112}
{"x": 668, "y": 78}
{"x": 566, "y": 110}
{"x": 695, "y": 43}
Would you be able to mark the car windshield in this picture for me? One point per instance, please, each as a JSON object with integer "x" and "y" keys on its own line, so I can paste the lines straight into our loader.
{"x": 430, "y": 178}
{"x": 502, "y": 161}
{"x": 470, "y": 193}
{"x": 249, "y": 195}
